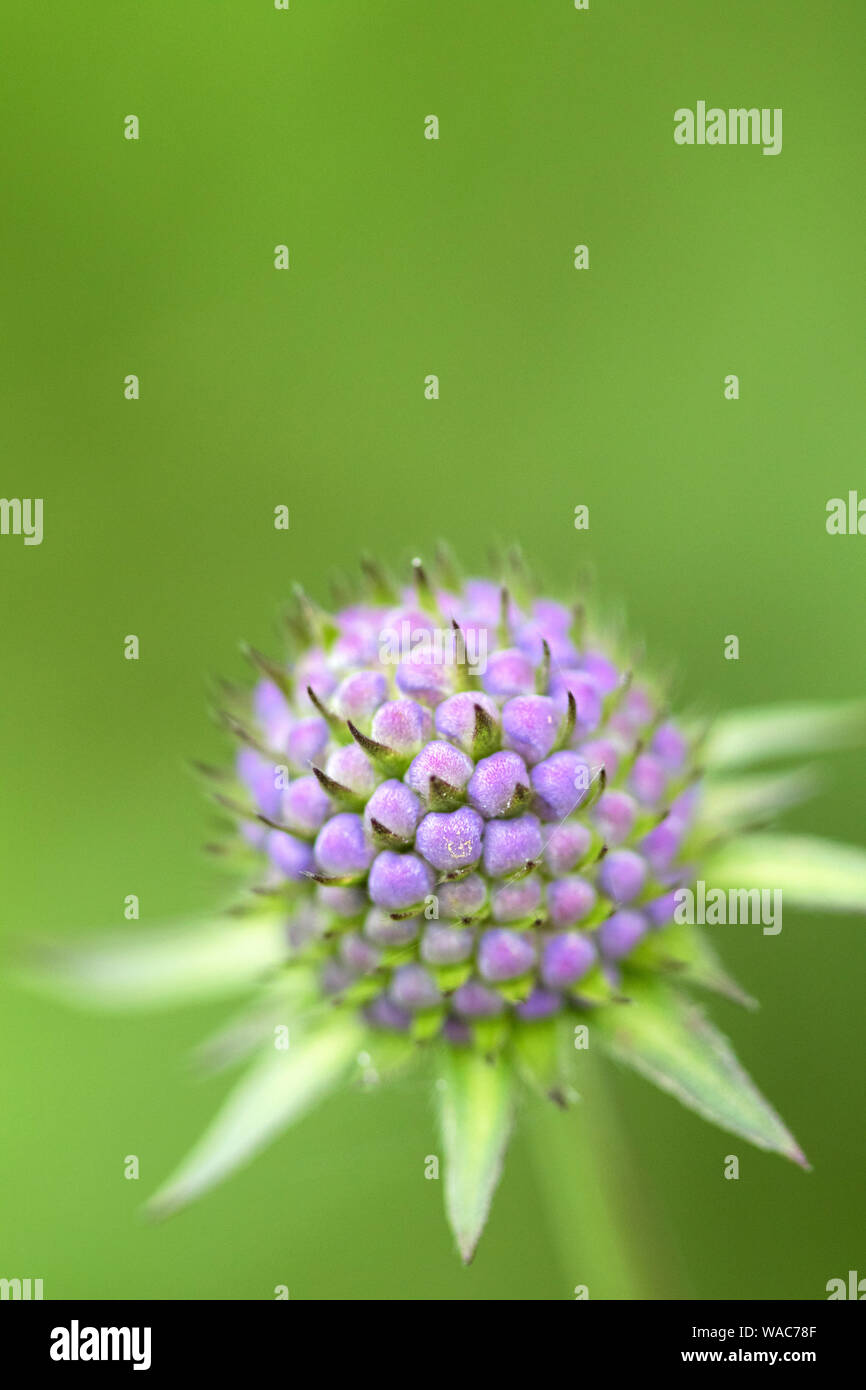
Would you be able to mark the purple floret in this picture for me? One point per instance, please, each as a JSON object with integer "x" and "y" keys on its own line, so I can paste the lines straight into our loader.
{"x": 561, "y": 782}
{"x": 402, "y": 725}
{"x": 293, "y": 857}
{"x": 341, "y": 847}
{"x": 510, "y": 845}
{"x": 567, "y": 957}
{"x": 530, "y": 725}
{"x": 570, "y": 900}
{"x": 621, "y": 933}
{"x": 399, "y": 881}
{"x": 509, "y": 672}
{"x": 442, "y": 761}
{"x": 396, "y": 808}
{"x": 498, "y": 783}
{"x": 505, "y": 954}
{"x": 450, "y": 841}
{"x": 456, "y": 717}
{"x": 566, "y": 846}
{"x": 622, "y": 875}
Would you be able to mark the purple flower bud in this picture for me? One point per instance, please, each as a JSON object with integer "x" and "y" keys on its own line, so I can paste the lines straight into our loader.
{"x": 540, "y": 1004}
{"x": 686, "y": 804}
{"x": 554, "y": 619}
{"x": 531, "y": 639}
{"x": 335, "y": 977}
{"x": 394, "y": 806}
{"x": 567, "y": 846}
{"x": 569, "y": 900}
{"x": 602, "y": 753}
{"x": 475, "y": 1000}
{"x": 402, "y": 725}
{"x": 455, "y": 717}
{"x": 648, "y": 779}
{"x": 351, "y": 768}
{"x": 450, "y": 841}
{"x": 493, "y": 786}
{"x": 509, "y": 672}
{"x": 357, "y": 954}
{"x": 622, "y": 875}
{"x": 360, "y": 695}
{"x": 307, "y": 741}
{"x": 341, "y": 847}
{"x": 566, "y": 959}
{"x": 442, "y": 761}
{"x": 514, "y": 902}
{"x": 530, "y": 725}
{"x": 426, "y": 680}
{"x": 560, "y": 784}
{"x": 306, "y": 806}
{"x": 313, "y": 669}
{"x": 505, "y": 954}
{"x": 253, "y": 833}
{"x": 345, "y": 902}
{"x": 272, "y": 713}
{"x": 398, "y": 881}
{"x": 456, "y": 1032}
{"x": 670, "y": 747}
{"x": 382, "y": 929}
{"x": 586, "y": 694}
{"x": 444, "y": 945}
{"x": 259, "y": 776}
{"x": 464, "y": 898}
{"x": 382, "y": 1013}
{"x": 614, "y": 816}
{"x": 634, "y": 713}
{"x": 482, "y": 598}
{"x": 662, "y": 844}
{"x": 293, "y": 858}
{"x": 661, "y": 910}
{"x": 620, "y": 933}
{"x": 509, "y": 845}
{"x": 413, "y": 987}
{"x": 602, "y": 670}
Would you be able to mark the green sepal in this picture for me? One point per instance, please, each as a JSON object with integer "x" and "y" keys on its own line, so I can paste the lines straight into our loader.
{"x": 451, "y": 977}
{"x": 490, "y": 1035}
{"x": 426, "y": 1024}
{"x": 517, "y": 991}
{"x": 540, "y": 1050}
{"x": 669, "y": 1040}
{"x": 476, "y": 1111}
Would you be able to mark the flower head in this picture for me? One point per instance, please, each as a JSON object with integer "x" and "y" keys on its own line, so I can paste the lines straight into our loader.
{"x": 465, "y": 850}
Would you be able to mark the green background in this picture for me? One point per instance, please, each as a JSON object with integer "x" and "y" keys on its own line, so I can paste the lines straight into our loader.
{"x": 305, "y": 387}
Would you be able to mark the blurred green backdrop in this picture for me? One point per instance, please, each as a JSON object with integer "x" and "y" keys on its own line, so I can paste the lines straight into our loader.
{"x": 305, "y": 387}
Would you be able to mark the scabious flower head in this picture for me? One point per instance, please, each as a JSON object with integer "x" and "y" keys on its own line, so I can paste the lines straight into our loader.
{"x": 468, "y": 822}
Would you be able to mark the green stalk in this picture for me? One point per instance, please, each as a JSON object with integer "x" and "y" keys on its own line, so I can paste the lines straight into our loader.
{"x": 587, "y": 1181}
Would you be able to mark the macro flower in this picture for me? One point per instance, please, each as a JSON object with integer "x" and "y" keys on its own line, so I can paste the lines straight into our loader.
{"x": 462, "y": 817}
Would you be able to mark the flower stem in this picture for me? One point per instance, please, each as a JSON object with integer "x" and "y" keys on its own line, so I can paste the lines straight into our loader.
{"x": 586, "y": 1179}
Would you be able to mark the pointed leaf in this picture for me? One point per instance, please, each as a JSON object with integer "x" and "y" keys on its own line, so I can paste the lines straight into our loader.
{"x": 669, "y": 1040}
{"x": 778, "y": 731}
{"x": 475, "y": 1108}
{"x": 163, "y": 966}
{"x": 278, "y": 1088}
{"x": 292, "y": 996}
{"x": 810, "y": 872}
{"x": 735, "y": 802}
{"x": 687, "y": 953}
